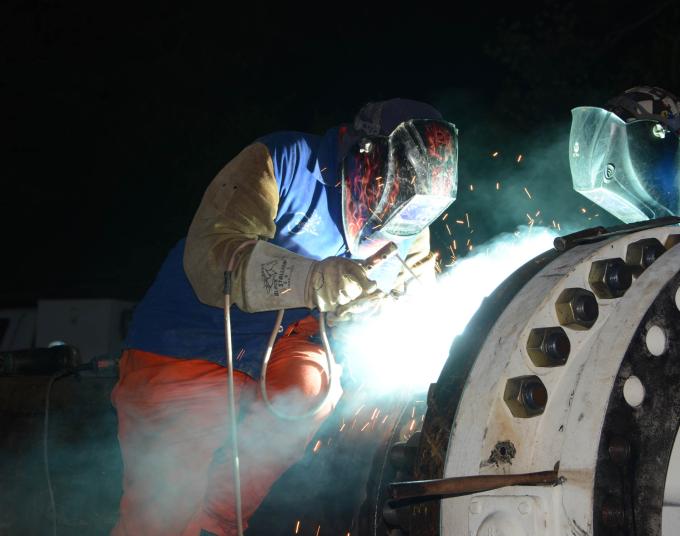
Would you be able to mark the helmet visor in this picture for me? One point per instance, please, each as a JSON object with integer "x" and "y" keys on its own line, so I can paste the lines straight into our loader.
{"x": 632, "y": 170}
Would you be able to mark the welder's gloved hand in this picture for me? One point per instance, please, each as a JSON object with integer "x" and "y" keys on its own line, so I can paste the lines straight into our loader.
{"x": 337, "y": 281}
{"x": 276, "y": 278}
{"x": 364, "y": 306}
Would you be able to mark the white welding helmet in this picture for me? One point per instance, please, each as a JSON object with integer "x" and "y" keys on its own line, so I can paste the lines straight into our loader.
{"x": 630, "y": 169}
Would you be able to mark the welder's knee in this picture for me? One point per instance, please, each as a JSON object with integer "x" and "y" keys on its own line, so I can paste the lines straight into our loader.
{"x": 297, "y": 374}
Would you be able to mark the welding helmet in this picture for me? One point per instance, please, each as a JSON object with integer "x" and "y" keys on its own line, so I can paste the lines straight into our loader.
{"x": 627, "y": 164}
{"x": 396, "y": 185}
{"x": 647, "y": 102}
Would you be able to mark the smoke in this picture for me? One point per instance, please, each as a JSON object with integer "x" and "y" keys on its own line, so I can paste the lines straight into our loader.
{"x": 407, "y": 344}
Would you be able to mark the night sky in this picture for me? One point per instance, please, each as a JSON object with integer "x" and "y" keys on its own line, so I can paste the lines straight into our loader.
{"x": 114, "y": 119}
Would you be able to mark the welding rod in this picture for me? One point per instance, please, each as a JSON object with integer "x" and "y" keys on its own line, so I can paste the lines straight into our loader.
{"x": 381, "y": 255}
{"x": 466, "y": 485}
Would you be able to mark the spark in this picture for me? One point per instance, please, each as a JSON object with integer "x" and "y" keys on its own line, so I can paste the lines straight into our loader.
{"x": 376, "y": 412}
{"x": 323, "y": 169}
{"x": 413, "y": 179}
{"x": 375, "y": 214}
{"x": 462, "y": 222}
{"x": 467, "y": 219}
{"x": 446, "y": 215}
{"x": 519, "y": 158}
{"x": 455, "y": 246}
{"x": 365, "y": 425}
{"x": 384, "y": 419}
{"x": 285, "y": 290}
{"x": 413, "y": 425}
{"x": 531, "y": 220}
{"x": 297, "y": 526}
{"x": 337, "y": 184}
{"x": 527, "y": 192}
{"x": 318, "y": 529}
{"x": 494, "y": 154}
{"x": 583, "y": 210}
{"x": 377, "y": 227}
{"x": 538, "y": 213}
{"x": 448, "y": 228}
{"x": 241, "y": 353}
{"x": 317, "y": 446}
{"x": 342, "y": 427}
{"x": 472, "y": 187}
{"x": 498, "y": 185}
{"x": 470, "y": 247}
{"x": 413, "y": 412}
{"x": 359, "y": 410}
{"x": 558, "y": 226}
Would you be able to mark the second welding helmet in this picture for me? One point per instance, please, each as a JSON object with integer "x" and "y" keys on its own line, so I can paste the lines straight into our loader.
{"x": 630, "y": 169}
{"x": 395, "y": 186}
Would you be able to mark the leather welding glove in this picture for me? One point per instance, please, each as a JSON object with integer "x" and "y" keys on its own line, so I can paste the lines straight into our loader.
{"x": 240, "y": 205}
{"x": 275, "y": 278}
{"x": 419, "y": 270}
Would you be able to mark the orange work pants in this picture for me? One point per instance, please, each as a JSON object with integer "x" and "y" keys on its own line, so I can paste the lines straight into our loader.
{"x": 173, "y": 428}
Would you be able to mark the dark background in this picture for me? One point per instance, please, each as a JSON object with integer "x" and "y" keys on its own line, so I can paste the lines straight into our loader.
{"x": 115, "y": 119}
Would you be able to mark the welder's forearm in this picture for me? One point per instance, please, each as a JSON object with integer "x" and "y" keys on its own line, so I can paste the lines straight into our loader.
{"x": 205, "y": 263}
{"x": 239, "y": 205}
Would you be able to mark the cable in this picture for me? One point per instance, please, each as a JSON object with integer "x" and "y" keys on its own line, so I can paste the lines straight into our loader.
{"x": 230, "y": 385}
{"x": 263, "y": 375}
{"x": 46, "y": 460}
{"x": 263, "y": 385}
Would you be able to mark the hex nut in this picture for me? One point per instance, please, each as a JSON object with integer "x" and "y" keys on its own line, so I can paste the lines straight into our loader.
{"x": 672, "y": 240}
{"x": 610, "y": 278}
{"x": 641, "y": 254}
{"x": 577, "y": 308}
{"x": 548, "y": 347}
{"x": 525, "y": 396}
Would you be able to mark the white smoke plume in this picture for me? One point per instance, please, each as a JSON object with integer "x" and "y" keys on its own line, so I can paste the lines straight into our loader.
{"x": 406, "y": 346}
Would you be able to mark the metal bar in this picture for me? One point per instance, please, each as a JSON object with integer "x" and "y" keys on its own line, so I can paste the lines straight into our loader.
{"x": 466, "y": 485}
{"x": 594, "y": 234}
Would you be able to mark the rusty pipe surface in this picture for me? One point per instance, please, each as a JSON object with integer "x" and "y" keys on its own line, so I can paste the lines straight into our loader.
{"x": 465, "y": 485}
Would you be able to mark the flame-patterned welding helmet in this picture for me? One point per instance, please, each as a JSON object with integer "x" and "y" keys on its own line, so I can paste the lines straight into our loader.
{"x": 395, "y": 186}
{"x": 629, "y": 168}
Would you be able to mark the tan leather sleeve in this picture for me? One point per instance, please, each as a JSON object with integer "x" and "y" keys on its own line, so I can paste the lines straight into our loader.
{"x": 240, "y": 204}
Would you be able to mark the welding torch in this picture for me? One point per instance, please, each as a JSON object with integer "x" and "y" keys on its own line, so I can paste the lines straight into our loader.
{"x": 368, "y": 303}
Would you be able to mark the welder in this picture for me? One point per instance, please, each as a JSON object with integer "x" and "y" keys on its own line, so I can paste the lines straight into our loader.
{"x": 293, "y": 215}
{"x": 625, "y": 156}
